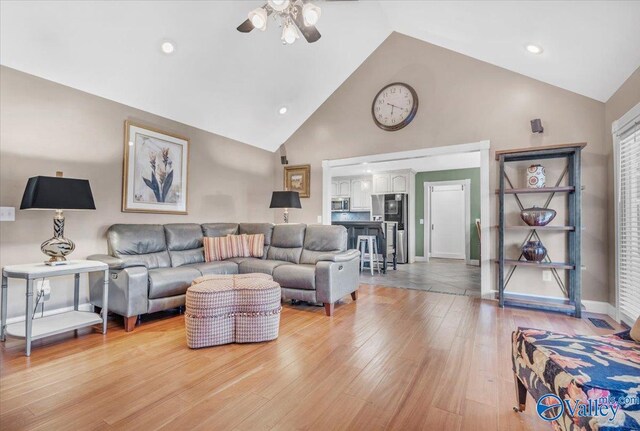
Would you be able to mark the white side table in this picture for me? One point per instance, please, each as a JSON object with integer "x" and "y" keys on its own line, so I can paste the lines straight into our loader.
{"x": 34, "y": 329}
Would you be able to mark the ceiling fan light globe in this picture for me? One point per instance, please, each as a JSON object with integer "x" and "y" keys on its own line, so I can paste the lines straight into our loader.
{"x": 278, "y": 5}
{"x": 310, "y": 14}
{"x": 289, "y": 34}
{"x": 258, "y": 18}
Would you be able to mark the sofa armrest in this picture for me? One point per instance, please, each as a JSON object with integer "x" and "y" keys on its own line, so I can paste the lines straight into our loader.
{"x": 337, "y": 279}
{"x": 344, "y": 256}
{"x": 116, "y": 263}
{"x": 128, "y": 290}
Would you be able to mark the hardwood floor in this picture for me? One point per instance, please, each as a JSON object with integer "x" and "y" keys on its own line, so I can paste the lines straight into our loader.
{"x": 395, "y": 359}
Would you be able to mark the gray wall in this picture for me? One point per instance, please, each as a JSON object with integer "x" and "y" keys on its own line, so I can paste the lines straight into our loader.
{"x": 462, "y": 100}
{"x": 47, "y": 127}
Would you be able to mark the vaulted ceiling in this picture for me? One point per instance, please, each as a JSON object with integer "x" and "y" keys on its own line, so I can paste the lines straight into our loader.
{"x": 233, "y": 84}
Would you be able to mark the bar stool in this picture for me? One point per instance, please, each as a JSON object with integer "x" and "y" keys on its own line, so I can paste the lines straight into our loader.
{"x": 370, "y": 243}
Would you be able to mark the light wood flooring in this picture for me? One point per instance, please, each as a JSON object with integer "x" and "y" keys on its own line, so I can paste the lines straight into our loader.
{"x": 395, "y": 359}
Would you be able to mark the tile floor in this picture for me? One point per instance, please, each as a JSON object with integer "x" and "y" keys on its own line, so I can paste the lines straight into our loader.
{"x": 438, "y": 275}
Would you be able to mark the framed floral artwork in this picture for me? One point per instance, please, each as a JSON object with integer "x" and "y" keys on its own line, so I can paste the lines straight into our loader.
{"x": 298, "y": 179}
{"x": 155, "y": 171}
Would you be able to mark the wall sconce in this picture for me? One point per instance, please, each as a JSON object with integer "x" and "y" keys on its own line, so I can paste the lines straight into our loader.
{"x": 536, "y": 126}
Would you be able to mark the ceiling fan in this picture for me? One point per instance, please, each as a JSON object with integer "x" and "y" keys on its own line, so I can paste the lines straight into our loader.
{"x": 293, "y": 16}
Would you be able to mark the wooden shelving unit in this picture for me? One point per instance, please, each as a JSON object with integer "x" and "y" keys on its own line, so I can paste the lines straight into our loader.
{"x": 572, "y": 263}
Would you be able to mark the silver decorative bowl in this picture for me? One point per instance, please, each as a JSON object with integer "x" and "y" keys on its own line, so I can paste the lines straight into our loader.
{"x": 537, "y": 216}
{"x": 534, "y": 251}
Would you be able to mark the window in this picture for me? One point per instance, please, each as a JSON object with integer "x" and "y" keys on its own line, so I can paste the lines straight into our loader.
{"x": 626, "y": 138}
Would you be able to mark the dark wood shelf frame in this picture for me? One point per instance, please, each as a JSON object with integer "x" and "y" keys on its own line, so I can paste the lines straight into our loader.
{"x": 573, "y": 228}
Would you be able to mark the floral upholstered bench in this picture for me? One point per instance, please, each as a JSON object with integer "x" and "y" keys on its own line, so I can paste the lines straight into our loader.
{"x": 580, "y": 383}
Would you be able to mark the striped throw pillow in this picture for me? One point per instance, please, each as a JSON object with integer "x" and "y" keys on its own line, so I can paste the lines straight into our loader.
{"x": 239, "y": 245}
{"x": 216, "y": 248}
{"x": 256, "y": 245}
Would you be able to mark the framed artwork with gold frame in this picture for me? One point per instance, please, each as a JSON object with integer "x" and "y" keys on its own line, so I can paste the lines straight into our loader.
{"x": 298, "y": 179}
{"x": 155, "y": 171}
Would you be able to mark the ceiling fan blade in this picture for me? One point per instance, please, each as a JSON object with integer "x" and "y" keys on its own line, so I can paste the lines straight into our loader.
{"x": 310, "y": 33}
{"x": 246, "y": 26}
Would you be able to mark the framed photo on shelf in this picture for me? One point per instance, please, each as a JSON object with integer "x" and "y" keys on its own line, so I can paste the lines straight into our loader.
{"x": 155, "y": 172}
{"x": 298, "y": 179}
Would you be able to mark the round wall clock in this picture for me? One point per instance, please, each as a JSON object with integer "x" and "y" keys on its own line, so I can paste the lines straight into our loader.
{"x": 394, "y": 106}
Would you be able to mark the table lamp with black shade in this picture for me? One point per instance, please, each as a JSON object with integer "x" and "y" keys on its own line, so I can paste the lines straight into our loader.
{"x": 57, "y": 193}
{"x": 286, "y": 200}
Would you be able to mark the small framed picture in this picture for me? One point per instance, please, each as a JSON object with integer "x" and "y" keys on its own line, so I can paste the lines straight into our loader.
{"x": 155, "y": 171}
{"x": 298, "y": 179}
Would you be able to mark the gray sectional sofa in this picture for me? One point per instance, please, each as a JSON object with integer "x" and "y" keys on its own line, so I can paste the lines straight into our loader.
{"x": 151, "y": 266}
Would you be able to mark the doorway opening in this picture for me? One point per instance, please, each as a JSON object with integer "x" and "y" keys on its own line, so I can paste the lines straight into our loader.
{"x": 403, "y": 175}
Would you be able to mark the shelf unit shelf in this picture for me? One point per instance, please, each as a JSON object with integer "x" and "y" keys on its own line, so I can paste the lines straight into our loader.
{"x": 557, "y": 305}
{"x": 543, "y": 228}
{"x": 572, "y": 228}
{"x": 518, "y": 191}
{"x": 542, "y": 265}
{"x": 55, "y": 324}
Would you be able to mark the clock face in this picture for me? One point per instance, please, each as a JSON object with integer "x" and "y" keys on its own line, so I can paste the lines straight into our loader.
{"x": 394, "y": 106}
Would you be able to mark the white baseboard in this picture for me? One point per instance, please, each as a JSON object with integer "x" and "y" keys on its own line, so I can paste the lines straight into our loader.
{"x": 490, "y": 295}
{"x": 474, "y": 262}
{"x": 600, "y": 307}
{"x": 421, "y": 259}
{"x": 82, "y": 307}
{"x": 448, "y": 256}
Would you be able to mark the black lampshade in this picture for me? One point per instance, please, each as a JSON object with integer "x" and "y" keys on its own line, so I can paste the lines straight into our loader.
{"x": 57, "y": 193}
{"x": 285, "y": 200}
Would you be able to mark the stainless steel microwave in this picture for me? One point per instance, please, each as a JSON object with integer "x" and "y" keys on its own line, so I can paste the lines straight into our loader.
{"x": 340, "y": 204}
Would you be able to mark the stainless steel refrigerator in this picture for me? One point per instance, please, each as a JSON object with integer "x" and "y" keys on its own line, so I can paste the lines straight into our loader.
{"x": 394, "y": 207}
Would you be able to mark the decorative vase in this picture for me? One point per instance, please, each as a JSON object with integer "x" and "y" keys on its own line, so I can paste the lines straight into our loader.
{"x": 536, "y": 216}
{"x": 536, "y": 177}
{"x": 534, "y": 251}
{"x": 57, "y": 247}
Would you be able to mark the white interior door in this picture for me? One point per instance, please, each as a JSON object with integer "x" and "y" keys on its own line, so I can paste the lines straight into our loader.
{"x": 447, "y": 221}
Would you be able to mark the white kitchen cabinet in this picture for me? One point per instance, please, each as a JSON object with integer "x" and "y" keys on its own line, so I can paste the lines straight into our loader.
{"x": 341, "y": 188}
{"x": 381, "y": 183}
{"x": 361, "y": 194}
{"x": 344, "y": 188}
{"x": 395, "y": 182}
{"x": 399, "y": 183}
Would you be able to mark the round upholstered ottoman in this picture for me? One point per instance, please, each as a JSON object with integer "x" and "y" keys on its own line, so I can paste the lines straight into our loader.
{"x": 222, "y": 309}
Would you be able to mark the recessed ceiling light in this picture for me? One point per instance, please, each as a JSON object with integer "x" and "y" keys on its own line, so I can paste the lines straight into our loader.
{"x": 534, "y": 49}
{"x": 283, "y": 110}
{"x": 167, "y": 47}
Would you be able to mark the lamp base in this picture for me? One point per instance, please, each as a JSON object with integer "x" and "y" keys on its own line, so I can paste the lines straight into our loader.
{"x": 57, "y": 262}
{"x": 57, "y": 247}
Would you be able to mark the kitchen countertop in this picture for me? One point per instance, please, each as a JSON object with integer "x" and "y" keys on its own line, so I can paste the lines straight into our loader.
{"x": 377, "y": 228}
